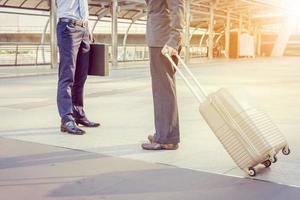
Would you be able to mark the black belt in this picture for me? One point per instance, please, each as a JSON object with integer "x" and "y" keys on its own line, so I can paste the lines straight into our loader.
{"x": 74, "y": 22}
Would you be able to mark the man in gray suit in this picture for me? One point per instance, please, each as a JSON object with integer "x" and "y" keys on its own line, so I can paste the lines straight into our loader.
{"x": 164, "y": 32}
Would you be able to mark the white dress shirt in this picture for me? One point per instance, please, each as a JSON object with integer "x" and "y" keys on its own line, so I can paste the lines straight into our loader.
{"x": 73, "y": 9}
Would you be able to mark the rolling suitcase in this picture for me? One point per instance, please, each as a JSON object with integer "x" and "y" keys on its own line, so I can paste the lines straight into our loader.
{"x": 246, "y": 132}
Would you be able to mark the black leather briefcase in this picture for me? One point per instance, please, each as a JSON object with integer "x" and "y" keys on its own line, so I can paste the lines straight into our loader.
{"x": 98, "y": 60}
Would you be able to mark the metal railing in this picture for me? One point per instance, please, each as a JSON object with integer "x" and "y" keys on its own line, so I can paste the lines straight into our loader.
{"x": 131, "y": 53}
{"x": 18, "y": 54}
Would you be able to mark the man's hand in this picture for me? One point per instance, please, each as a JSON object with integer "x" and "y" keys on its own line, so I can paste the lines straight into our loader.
{"x": 169, "y": 50}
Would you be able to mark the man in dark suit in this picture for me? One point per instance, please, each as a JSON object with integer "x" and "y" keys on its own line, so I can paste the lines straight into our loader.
{"x": 164, "y": 32}
{"x": 73, "y": 41}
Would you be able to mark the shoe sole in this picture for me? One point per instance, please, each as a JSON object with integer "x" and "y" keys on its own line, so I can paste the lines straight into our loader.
{"x": 87, "y": 126}
{"x": 157, "y": 148}
{"x": 63, "y": 130}
{"x": 169, "y": 149}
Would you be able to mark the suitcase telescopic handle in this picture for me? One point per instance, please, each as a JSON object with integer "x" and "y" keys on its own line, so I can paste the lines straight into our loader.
{"x": 203, "y": 95}
{"x": 202, "y": 90}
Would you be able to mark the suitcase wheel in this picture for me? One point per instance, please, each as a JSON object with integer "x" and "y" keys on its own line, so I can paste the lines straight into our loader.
{"x": 251, "y": 172}
{"x": 274, "y": 159}
{"x": 267, "y": 163}
{"x": 286, "y": 151}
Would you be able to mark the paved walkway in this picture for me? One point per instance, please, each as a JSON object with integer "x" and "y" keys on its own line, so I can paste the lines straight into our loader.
{"x": 26, "y": 71}
{"x": 41, "y": 70}
{"x": 122, "y": 102}
{"x": 41, "y": 172}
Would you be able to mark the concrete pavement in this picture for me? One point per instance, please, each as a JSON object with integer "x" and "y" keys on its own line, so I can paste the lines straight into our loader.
{"x": 42, "y": 172}
{"x": 122, "y": 103}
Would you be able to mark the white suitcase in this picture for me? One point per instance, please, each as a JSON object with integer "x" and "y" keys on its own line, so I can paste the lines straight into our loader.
{"x": 246, "y": 132}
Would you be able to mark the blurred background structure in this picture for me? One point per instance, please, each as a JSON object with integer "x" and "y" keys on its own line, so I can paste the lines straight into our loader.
{"x": 214, "y": 29}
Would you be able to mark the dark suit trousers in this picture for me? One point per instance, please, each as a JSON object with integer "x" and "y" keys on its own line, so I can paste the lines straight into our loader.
{"x": 73, "y": 43}
{"x": 164, "y": 98}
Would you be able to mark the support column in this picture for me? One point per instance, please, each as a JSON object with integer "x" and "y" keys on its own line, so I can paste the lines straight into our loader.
{"x": 239, "y": 34}
{"x": 211, "y": 33}
{"x": 100, "y": 15}
{"x": 284, "y": 36}
{"x": 187, "y": 32}
{"x": 227, "y": 35}
{"x": 125, "y": 40}
{"x": 202, "y": 39}
{"x": 53, "y": 40}
{"x": 43, "y": 40}
{"x": 249, "y": 25}
{"x": 258, "y": 47}
{"x": 114, "y": 33}
{"x": 134, "y": 19}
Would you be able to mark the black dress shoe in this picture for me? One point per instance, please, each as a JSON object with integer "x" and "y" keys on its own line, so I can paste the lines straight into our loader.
{"x": 86, "y": 122}
{"x": 71, "y": 128}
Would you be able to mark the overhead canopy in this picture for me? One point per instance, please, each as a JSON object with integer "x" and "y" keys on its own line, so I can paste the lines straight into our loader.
{"x": 129, "y": 9}
{"x": 136, "y": 9}
{"x": 254, "y": 11}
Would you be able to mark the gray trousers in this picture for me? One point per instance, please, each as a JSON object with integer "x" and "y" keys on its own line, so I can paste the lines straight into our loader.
{"x": 164, "y": 98}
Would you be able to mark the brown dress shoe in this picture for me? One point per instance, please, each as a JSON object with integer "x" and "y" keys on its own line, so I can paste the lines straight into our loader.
{"x": 157, "y": 146}
{"x": 169, "y": 146}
